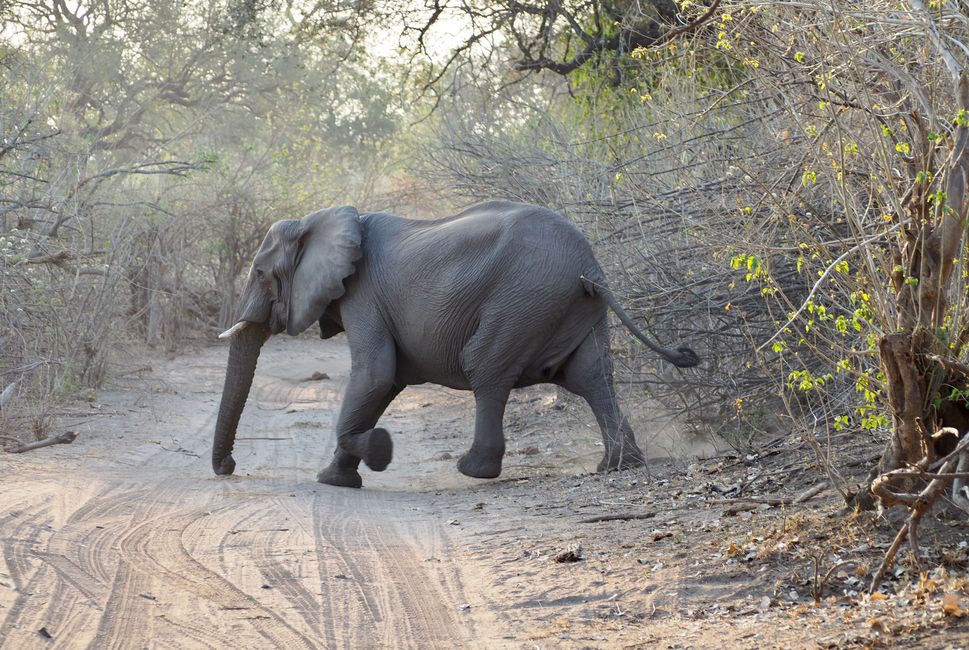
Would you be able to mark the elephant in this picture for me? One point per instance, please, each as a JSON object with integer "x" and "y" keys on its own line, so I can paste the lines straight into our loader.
{"x": 500, "y": 296}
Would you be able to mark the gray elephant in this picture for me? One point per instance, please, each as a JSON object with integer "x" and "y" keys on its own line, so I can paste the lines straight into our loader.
{"x": 500, "y": 296}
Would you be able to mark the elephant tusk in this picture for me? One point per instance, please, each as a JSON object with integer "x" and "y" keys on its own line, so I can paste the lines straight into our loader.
{"x": 235, "y": 329}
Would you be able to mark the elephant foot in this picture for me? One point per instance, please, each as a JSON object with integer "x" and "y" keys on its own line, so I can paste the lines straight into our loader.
{"x": 626, "y": 459}
{"x": 374, "y": 447}
{"x": 340, "y": 477}
{"x": 479, "y": 465}
{"x": 224, "y": 466}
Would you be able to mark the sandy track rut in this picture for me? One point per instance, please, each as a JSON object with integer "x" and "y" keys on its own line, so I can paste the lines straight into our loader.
{"x": 128, "y": 541}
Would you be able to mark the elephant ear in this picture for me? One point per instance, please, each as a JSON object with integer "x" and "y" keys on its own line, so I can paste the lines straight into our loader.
{"x": 329, "y": 245}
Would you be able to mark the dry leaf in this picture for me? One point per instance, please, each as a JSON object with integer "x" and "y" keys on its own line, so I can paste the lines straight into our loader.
{"x": 879, "y": 596}
{"x": 878, "y": 625}
{"x": 952, "y": 605}
{"x": 927, "y": 585}
{"x": 800, "y": 610}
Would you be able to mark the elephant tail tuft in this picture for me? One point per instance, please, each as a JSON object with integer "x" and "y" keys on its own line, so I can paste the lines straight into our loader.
{"x": 682, "y": 356}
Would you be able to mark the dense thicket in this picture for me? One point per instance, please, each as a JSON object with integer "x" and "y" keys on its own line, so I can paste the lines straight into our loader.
{"x": 145, "y": 148}
{"x": 786, "y": 181}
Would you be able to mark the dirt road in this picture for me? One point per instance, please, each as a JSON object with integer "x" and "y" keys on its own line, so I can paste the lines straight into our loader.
{"x": 125, "y": 539}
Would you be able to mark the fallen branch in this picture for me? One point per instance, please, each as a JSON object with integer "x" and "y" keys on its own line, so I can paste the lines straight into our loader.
{"x": 960, "y": 496}
{"x": 775, "y": 502}
{"x": 65, "y": 438}
{"x": 811, "y": 492}
{"x": 180, "y": 450}
{"x": 145, "y": 368}
{"x": 627, "y": 516}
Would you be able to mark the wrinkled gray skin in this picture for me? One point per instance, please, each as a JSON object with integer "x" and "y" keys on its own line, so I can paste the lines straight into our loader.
{"x": 500, "y": 296}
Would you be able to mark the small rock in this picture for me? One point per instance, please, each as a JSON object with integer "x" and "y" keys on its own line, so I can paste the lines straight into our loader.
{"x": 571, "y": 554}
{"x": 44, "y": 633}
{"x": 317, "y": 376}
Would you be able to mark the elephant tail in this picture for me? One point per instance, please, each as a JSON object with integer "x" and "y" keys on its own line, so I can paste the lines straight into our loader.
{"x": 682, "y": 356}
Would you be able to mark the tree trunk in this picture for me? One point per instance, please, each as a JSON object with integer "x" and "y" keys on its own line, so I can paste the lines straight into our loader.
{"x": 910, "y": 395}
{"x": 929, "y": 243}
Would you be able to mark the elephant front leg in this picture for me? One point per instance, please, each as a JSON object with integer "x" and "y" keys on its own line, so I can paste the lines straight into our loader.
{"x": 369, "y": 393}
{"x": 342, "y": 470}
{"x": 361, "y": 442}
{"x": 484, "y": 458}
{"x": 373, "y": 446}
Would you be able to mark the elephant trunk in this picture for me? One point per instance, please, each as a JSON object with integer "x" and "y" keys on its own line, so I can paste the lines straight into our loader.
{"x": 243, "y": 355}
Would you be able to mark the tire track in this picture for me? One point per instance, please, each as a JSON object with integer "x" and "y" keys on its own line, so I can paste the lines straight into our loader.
{"x": 85, "y": 539}
{"x": 383, "y": 587}
{"x": 72, "y": 575}
{"x": 204, "y": 637}
{"x": 158, "y": 544}
{"x": 126, "y": 617}
{"x": 26, "y": 529}
{"x": 138, "y": 546}
{"x": 427, "y": 616}
{"x": 341, "y": 584}
{"x": 125, "y": 621}
{"x": 395, "y": 585}
{"x": 280, "y": 578}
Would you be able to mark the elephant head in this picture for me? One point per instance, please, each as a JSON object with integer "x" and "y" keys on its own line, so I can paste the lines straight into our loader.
{"x": 298, "y": 271}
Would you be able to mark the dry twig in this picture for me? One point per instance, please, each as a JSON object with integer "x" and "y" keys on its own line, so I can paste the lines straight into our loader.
{"x": 624, "y": 517}
{"x": 65, "y": 438}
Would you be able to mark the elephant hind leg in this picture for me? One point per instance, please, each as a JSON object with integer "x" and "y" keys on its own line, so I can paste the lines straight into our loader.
{"x": 588, "y": 374}
{"x": 484, "y": 458}
{"x": 492, "y": 362}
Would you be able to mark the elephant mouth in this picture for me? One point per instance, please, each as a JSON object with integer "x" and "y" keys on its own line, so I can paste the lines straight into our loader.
{"x": 278, "y": 316}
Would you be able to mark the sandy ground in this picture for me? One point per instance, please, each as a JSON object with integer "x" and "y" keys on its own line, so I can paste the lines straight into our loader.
{"x": 126, "y": 539}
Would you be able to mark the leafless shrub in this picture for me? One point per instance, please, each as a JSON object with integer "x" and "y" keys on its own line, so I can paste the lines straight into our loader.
{"x": 132, "y": 197}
